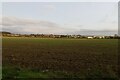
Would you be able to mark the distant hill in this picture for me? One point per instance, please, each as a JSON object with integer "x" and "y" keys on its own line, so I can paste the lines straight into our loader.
{"x": 4, "y": 32}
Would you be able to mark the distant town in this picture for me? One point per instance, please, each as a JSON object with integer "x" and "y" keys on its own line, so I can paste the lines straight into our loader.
{"x": 8, "y": 34}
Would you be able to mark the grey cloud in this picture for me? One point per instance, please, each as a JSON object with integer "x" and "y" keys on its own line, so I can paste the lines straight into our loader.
{"x": 109, "y": 19}
{"x": 14, "y": 21}
{"x": 96, "y": 32}
{"x": 20, "y": 25}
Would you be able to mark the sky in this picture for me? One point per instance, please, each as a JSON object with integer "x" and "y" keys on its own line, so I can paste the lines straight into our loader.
{"x": 85, "y": 18}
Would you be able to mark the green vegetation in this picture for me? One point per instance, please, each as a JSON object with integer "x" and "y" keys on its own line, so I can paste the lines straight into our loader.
{"x": 59, "y": 58}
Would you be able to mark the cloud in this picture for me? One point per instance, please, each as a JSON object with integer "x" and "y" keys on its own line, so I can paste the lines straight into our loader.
{"x": 20, "y": 25}
{"x": 29, "y": 26}
{"x": 47, "y": 9}
{"x": 109, "y": 19}
{"x": 96, "y": 32}
{"x": 14, "y": 21}
{"x": 112, "y": 16}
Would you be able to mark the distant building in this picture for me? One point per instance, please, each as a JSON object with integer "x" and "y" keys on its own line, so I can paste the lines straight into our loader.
{"x": 90, "y": 37}
{"x": 56, "y": 36}
{"x": 101, "y": 37}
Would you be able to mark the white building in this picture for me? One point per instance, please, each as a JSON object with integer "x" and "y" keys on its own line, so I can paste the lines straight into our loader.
{"x": 90, "y": 37}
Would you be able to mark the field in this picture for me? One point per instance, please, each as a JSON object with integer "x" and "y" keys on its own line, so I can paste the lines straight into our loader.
{"x": 59, "y": 58}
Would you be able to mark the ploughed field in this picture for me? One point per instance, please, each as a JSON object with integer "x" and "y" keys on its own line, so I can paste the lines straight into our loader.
{"x": 59, "y": 58}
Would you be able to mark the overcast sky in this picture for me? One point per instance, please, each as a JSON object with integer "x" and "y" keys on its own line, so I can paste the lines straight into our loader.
{"x": 95, "y": 18}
